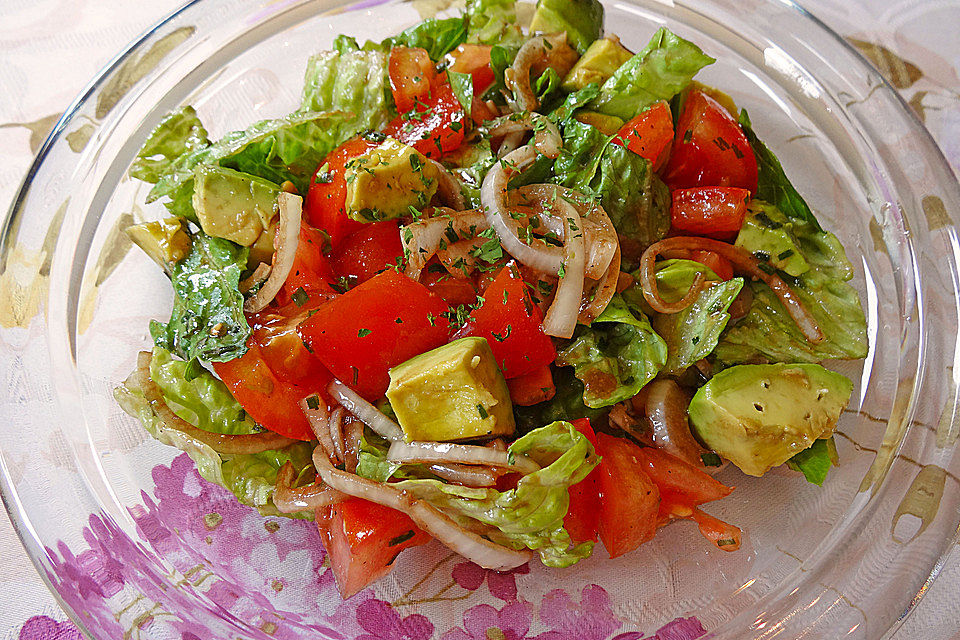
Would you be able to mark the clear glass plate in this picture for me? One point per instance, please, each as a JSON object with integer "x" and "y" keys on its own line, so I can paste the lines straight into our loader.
{"x": 134, "y": 544}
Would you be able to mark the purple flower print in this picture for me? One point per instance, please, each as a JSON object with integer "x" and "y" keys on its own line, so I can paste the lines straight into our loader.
{"x": 502, "y": 584}
{"x": 592, "y": 619}
{"x": 679, "y": 629}
{"x": 382, "y": 622}
{"x": 483, "y": 622}
{"x": 44, "y": 628}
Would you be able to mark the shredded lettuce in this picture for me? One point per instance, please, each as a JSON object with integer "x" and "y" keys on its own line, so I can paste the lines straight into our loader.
{"x": 616, "y": 355}
{"x": 205, "y": 402}
{"x": 768, "y": 332}
{"x": 814, "y": 463}
{"x": 179, "y": 133}
{"x": 493, "y": 22}
{"x": 663, "y": 69}
{"x": 531, "y": 515}
{"x": 354, "y": 82}
{"x": 207, "y": 320}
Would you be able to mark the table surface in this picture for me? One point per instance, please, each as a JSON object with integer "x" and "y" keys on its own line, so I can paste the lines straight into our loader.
{"x": 912, "y": 41}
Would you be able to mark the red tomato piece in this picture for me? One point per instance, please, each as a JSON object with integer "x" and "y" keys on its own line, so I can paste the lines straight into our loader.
{"x": 275, "y": 334}
{"x": 325, "y": 206}
{"x": 270, "y": 401}
{"x": 583, "y": 515}
{"x": 432, "y": 128}
{"x": 475, "y": 60}
{"x": 629, "y": 499}
{"x": 715, "y": 212}
{"x": 510, "y": 322}
{"x": 714, "y": 261}
{"x": 385, "y": 321}
{"x": 649, "y": 134}
{"x": 709, "y": 149}
{"x": 532, "y": 388}
{"x": 411, "y": 72}
{"x": 363, "y": 539}
{"x": 367, "y": 251}
{"x": 674, "y": 476}
{"x": 310, "y": 272}
{"x": 726, "y": 536}
{"x": 454, "y": 291}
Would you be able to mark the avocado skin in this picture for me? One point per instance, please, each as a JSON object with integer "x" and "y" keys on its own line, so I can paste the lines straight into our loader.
{"x": 759, "y": 416}
{"x": 454, "y": 392}
{"x": 581, "y": 19}
{"x": 233, "y": 205}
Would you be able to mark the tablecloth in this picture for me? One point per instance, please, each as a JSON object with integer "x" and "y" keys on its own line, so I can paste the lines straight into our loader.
{"x": 50, "y": 48}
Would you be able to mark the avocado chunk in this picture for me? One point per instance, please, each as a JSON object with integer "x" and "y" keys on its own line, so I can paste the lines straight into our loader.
{"x": 385, "y": 182}
{"x": 607, "y": 125}
{"x": 581, "y": 19}
{"x": 758, "y": 416}
{"x": 455, "y": 392}
{"x": 768, "y": 232}
{"x": 600, "y": 61}
{"x": 233, "y": 205}
{"x": 165, "y": 241}
{"x": 262, "y": 249}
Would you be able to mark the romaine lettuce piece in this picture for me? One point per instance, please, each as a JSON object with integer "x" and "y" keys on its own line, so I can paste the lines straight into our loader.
{"x": 580, "y": 156}
{"x": 493, "y": 22}
{"x": 438, "y": 36}
{"x": 354, "y": 82}
{"x": 663, "y": 69}
{"x": 616, "y": 355}
{"x": 582, "y": 20}
{"x": 178, "y": 133}
{"x": 815, "y": 462}
{"x": 207, "y": 320}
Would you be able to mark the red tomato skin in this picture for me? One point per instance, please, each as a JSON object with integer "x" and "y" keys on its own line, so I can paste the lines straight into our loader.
{"x": 325, "y": 205}
{"x": 583, "y": 515}
{"x": 435, "y": 127}
{"x": 411, "y": 72}
{"x": 678, "y": 480}
{"x": 357, "y": 536}
{"x": 714, "y": 212}
{"x": 282, "y": 349}
{"x": 649, "y": 134}
{"x": 367, "y": 251}
{"x": 629, "y": 499}
{"x": 381, "y": 323}
{"x": 310, "y": 271}
{"x": 508, "y": 311}
{"x": 475, "y": 60}
{"x": 273, "y": 403}
{"x": 709, "y": 148}
{"x": 716, "y": 263}
{"x": 453, "y": 291}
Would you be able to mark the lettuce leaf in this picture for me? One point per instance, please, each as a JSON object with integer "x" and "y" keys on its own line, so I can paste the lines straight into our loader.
{"x": 493, "y": 22}
{"x": 815, "y": 462}
{"x": 354, "y": 82}
{"x": 692, "y": 334}
{"x": 615, "y": 356}
{"x": 663, "y": 69}
{"x": 580, "y": 156}
{"x": 531, "y": 515}
{"x": 437, "y": 36}
{"x": 207, "y": 320}
{"x": 566, "y": 404}
{"x": 180, "y": 132}
{"x": 767, "y": 332}
{"x": 205, "y": 402}
{"x": 462, "y": 85}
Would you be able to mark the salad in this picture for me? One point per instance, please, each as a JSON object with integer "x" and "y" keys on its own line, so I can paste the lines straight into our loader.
{"x": 513, "y": 287}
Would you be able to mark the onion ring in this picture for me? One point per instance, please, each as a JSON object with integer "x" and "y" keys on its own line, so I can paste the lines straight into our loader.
{"x": 313, "y": 496}
{"x": 286, "y": 241}
{"x": 447, "y": 452}
{"x": 366, "y": 412}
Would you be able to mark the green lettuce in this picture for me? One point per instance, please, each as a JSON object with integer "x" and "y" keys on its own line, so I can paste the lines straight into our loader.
{"x": 566, "y": 404}
{"x": 580, "y": 156}
{"x": 663, "y": 69}
{"x": 207, "y": 320}
{"x": 206, "y": 403}
{"x": 815, "y": 462}
{"x": 462, "y": 85}
{"x": 179, "y": 133}
{"x": 493, "y": 22}
{"x": 768, "y": 332}
{"x": 574, "y": 101}
{"x": 352, "y": 82}
{"x": 438, "y": 36}
{"x": 531, "y": 515}
{"x": 582, "y": 20}
{"x": 691, "y": 334}
{"x": 616, "y": 355}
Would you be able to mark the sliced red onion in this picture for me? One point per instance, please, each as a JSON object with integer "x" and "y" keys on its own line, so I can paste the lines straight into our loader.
{"x": 561, "y": 318}
{"x": 313, "y": 496}
{"x": 593, "y": 304}
{"x": 666, "y": 410}
{"x": 285, "y": 249}
{"x": 430, "y": 452}
{"x": 336, "y": 431}
{"x": 319, "y": 420}
{"x": 259, "y": 275}
{"x": 422, "y": 239}
{"x": 448, "y": 188}
{"x": 465, "y": 474}
{"x": 353, "y": 434}
{"x": 459, "y": 258}
{"x": 366, "y": 412}
{"x": 517, "y": 77}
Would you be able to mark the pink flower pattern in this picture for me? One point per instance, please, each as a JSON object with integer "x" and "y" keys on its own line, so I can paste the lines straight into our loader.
{"x": 502, "y": 584}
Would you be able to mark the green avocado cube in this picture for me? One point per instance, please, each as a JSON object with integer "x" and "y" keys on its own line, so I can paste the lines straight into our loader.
{"x": 455, "y": 392}
{"x": 582, "y": 20}
{"x": 758, "y": 416}
{"x": 165, "y": 241}
{"x": 385, "y": 182}
{"x": 233, "y": 205}
{"x": 601, "y": 60}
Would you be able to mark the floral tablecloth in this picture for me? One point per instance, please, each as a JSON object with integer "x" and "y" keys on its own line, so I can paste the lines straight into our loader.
{"x": 50, "y": 48}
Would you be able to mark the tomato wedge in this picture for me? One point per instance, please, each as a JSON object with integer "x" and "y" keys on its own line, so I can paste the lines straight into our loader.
{"x": 325, "y": 205}
{"x": 649, "y": 134}
{"x": 282, "y": 349}
{"x": 367, "y": 251}
{"x": 674, "y": 476}
{"x": 270, "y": 401}
{"x": 454, "y": 291}
{"x": 715, "y": 212}
{"x": 629, "y": 499}
{"x": 363, "y": 539}
{"x": 475, "y": 60}
{"x": 533, "y": 387}
{"x": 310, "y": 276}
{"x": 434, "y": 126}
{"x": 385, "y": 321}
{"x": 709, "y": 148}
{"x": 510, "y": 322}
{"x": 411, "y": 72}
{"x": 583, "y": 515}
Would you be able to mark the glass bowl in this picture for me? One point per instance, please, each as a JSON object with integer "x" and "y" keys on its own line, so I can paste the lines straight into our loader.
{"x": 134, "y": 544}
